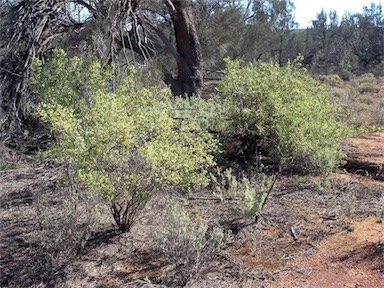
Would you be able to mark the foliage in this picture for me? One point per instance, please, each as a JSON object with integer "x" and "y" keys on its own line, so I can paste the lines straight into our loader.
{"x": 207, "y": 113}
{"x": 261, "y": 30}
{"x": 366, "y": 83}
{"x": 224, "y": 183}
{"x": 254, "y": 193}
{"x": 187, "y": 241}
{"x": 285, "y": 114}
{"x": 249, "y": 193}
{"x": 122, "y": 144}
{"x": 354, "y": 44}
{"x": 103, "y": 28}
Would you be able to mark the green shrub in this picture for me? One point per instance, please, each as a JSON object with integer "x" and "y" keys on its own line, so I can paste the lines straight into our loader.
{"x": 224, "y": 183}
{"x": 207, "y": 113}
{"x": 123, "y": 144}
{"x": 285, "y": 114}
{"x": 187, "y": 242}
{"x": 254, "y": 193}
{"x": 249, "y": 194}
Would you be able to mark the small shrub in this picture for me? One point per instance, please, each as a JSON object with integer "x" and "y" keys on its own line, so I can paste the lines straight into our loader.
{"x": 350, "y": 203}
{"x": 379, "y": 249}
{"x": 351, "y": 228}
{"x": 253, "y": 194}
{"x": 249, "y": 194}
{"x": 189, "y": 243}
{"x": 368, "y": 88}
{"x": 366, "y": 83}
{"x": 66, "y": 221}
{"x": 122, "y": 141}
{"x": 3, "y": 123}
{"x": 358, "y": 97}
{"x": 224, "y": 183}
{"x": 4, "y": 166}
{"x": 366, "y": 77}
{"x": 332, "y": 80}
{"x": 285, "y": 114}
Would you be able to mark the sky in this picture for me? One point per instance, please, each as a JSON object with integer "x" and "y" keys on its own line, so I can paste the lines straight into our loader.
{"x": 306, "y": 10}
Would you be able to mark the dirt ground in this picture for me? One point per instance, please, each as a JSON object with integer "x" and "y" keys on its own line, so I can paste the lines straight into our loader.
{"x": 309, "y": 235}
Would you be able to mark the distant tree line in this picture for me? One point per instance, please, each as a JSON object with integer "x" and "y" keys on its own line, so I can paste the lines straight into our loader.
{"x": 266, "y": 30}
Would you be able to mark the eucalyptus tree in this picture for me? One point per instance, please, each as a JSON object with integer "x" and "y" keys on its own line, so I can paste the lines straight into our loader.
{"x": 273, "y": 23}
{"x": 368, "y": 44}
{"x": 106, "y": 28}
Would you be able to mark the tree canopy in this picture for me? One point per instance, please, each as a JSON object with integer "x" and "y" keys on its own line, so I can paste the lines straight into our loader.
{"x": 185, "y": 41}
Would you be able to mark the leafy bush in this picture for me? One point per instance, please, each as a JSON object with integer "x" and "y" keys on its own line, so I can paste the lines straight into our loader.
{"x": 188, "y": 242}
{"x": 207, "y": 113}
{"x": 124, "y": 144}
{"x": 285, "y": 114}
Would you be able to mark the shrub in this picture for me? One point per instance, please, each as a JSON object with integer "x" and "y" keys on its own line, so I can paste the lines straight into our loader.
{"x": 224, "y": 183}
{"x": 66, "y": 221}
{"x": 207, "y": 113}
{"x": 332, "y": 80}
{"x": 285, "y": 114}
{"x": 189, "y": 243}
{"x": 254, "y": 193}
{"x": 124, "y": 144}
{"x": 366, "y": 83}
{"x": 249, "y": 194}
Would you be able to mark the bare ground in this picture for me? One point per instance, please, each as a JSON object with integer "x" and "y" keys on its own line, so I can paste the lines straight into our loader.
{"x": 308, "y": 235}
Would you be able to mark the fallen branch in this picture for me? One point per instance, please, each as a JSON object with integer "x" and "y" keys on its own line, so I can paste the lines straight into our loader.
{"x": 293, "y": 233}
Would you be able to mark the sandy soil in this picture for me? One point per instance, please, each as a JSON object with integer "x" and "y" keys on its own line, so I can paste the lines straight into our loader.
{"x": 308, "y": 235}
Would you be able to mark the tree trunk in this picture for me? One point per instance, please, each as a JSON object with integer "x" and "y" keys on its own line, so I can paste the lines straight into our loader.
{"x": 189, "y": 63}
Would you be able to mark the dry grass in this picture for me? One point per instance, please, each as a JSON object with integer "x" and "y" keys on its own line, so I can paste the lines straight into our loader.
{"x": 45, "y": 242}
{"x": 362, "y": 97}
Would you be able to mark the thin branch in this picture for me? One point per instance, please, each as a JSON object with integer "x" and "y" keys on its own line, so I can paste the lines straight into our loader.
{"x": 87, "y": 5}
{"x": 165, "y": 40}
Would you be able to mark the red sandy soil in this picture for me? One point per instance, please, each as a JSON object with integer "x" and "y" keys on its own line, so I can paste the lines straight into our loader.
{"x": 350, "y": 259}
{"x": 345, "y": 259}
{"x": 366, "y": 152}
{"x": 331, "y": 250}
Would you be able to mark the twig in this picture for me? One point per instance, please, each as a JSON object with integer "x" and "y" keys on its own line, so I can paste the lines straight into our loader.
{"x": 293, "y": 233}
{"x": 266, "y": 197}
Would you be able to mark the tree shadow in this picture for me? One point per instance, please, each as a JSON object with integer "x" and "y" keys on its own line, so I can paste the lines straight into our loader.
{"x": 99, "y": 238}
{"x": 24, "y": 263}
{"x": 17, "y": 198}
{"x": 369, "y": 254}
